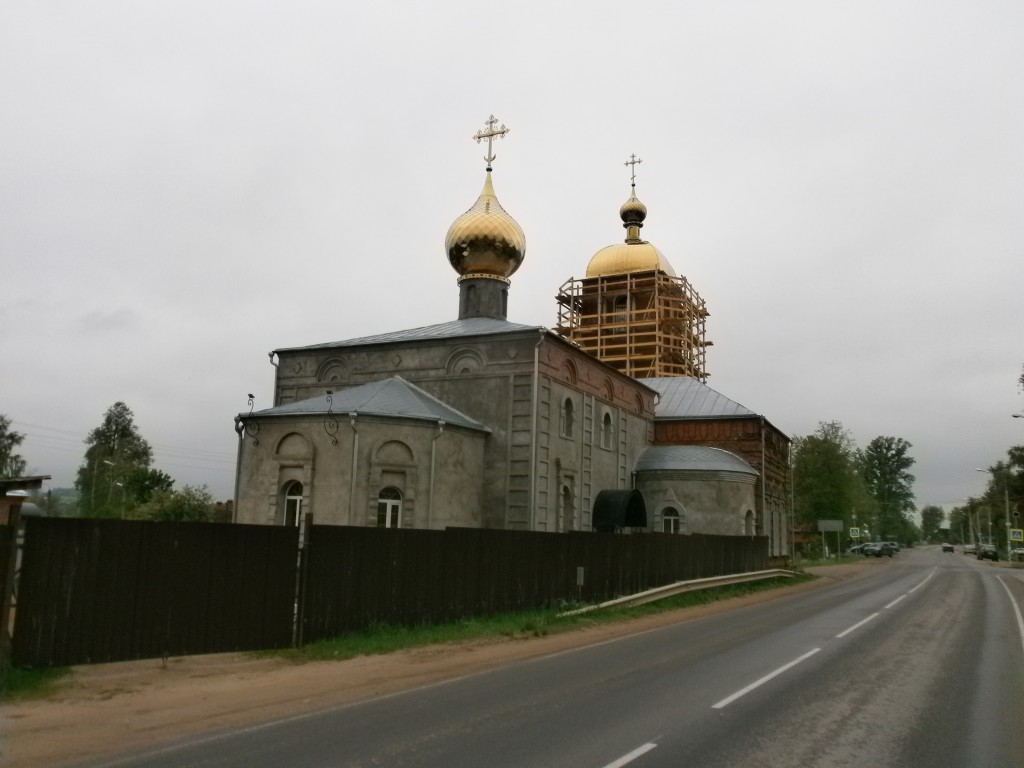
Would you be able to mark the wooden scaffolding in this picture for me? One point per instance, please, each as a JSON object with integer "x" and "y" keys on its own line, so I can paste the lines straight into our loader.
{"x": 645, "y": 324}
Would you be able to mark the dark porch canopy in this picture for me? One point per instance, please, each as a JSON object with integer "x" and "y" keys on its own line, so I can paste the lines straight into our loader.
{"x": 615, "y": 510}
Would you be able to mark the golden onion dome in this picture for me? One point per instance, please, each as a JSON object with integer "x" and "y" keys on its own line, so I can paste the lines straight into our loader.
{"x": 633, "y": 211}
{"x": 622, "y": 258}
{"x": 485, "y": 241}
{"x": 634, "y": 255}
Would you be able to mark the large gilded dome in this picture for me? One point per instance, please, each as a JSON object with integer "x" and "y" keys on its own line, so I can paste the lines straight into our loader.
{"x": 633, "y": 255}
{"x": 622, "y": 258}
{"x": 485, "y": 241}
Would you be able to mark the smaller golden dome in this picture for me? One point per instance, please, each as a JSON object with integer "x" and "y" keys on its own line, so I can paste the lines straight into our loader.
{"x": 485, "y": 241}
{"x": 634, "y": 255}
{"x": 623, "y": 258}
{"x": 633, "y": 212}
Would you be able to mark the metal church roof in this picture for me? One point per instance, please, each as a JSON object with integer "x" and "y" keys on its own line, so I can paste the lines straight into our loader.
{"x": 472, "y": 326}
{"x": 393, "y": 397}
{"x": 683, "y": 397}
{"x": 692, "y": 457}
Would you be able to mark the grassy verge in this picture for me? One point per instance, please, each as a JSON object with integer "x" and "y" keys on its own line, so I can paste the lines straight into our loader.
{"x": 841, "y": 560}
{"x": 22, "y": 684}
{"x": 387, "y": 639}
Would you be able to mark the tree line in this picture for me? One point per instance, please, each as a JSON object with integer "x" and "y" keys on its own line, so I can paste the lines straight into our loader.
{"x": 116, "y": 478}
{"x": 984, "y": 519}
{"x": 870, "y": 488}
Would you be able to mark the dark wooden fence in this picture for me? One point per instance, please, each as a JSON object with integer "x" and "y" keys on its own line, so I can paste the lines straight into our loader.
{"x": 106, "y": 590}
{"x": 358, "y": 577}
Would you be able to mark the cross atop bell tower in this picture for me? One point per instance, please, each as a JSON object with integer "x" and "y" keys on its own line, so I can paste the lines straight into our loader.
{"x": 490, "y": 134}
{"x": 633, "y": 161}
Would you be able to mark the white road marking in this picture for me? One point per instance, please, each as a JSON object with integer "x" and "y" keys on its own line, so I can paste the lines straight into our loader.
{"x": 730, "y": 699}
{"x": 860, "y": 623}
{"x": 631, "y": 756}
{"x": 925, "y": 581}
{"x": 757, "y": 683}
{"x": 1016, "y": 610}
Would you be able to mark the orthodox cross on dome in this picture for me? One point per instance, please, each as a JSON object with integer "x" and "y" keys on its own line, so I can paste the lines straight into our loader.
{"x": 633, "y": 161}
{"x": 490, "y": 134}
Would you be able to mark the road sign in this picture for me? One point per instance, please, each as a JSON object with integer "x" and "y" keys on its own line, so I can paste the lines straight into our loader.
{"x": 1017, "y": 534}
{"x": 855, "y": 533}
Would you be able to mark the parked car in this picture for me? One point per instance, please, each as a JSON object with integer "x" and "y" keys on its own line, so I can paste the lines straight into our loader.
{"x": 877, "y": 549}
{"x": 894, "y": 545}
{"x": 947, "y": 547}
{"x": 988, "y": 552}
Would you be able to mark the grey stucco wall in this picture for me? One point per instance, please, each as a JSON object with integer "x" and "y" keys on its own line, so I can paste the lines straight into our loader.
{"x": 711, "y": 502}
{"x": 439, "y": 471}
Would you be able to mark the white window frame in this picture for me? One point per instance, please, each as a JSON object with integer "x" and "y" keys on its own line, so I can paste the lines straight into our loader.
{"x": 672, "y": 520}
{"x": 389, "y": 510}
{"x": 292, "y": 513}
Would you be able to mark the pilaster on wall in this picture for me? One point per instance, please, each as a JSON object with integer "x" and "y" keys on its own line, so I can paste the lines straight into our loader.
{"x": 622, "y": 448}
{"x": 520, "y": 430}
{"x": 586, "y": 491}
{"x": 543, "y": 517}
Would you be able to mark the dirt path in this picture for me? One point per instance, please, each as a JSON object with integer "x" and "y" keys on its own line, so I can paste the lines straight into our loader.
{"x": 109, "y": 708}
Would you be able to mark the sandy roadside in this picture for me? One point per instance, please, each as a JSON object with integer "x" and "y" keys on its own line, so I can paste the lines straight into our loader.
{"x": 106, "y": 709}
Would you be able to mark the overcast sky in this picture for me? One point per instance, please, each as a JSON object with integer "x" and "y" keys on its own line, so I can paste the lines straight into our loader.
{"x": 185, "y": 186}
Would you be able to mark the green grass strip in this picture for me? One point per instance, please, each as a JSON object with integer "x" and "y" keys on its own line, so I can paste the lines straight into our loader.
{"x": 388, "y": 638}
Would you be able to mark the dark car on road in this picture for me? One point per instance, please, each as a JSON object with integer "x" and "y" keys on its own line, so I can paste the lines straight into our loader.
{"x": 877, "y": 549}
{"x": 947, "y": 547}
{"x": 988, "y": 552}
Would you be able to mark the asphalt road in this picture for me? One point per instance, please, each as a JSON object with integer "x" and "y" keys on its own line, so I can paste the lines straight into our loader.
{"x": 920, "y": 663}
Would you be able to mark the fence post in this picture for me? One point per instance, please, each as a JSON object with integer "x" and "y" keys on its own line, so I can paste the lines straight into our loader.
{"x": 301, "y": 578}
{"x": 10, "y": 560}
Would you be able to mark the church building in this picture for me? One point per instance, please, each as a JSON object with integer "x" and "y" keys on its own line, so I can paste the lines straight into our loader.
{"x": 482, "y": 422}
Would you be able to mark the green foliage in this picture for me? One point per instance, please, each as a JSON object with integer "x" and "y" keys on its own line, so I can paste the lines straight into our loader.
{"x": 141, "y": 484}
{"x": 826, "y": 485}
{"x": 885, "y": 468}
{"x": 932, "y": 518}
{"x": 115, "y": 451}
{"x": 1003, "y": 496}
{"x": 190, "y": 504}
{"x": 11, "y": 464}
{"x": 57, "y": 502}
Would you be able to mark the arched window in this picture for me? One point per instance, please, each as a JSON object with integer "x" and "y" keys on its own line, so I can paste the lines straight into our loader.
{"x": 567, "y": 417}
{"x": 671, "y": 520}
{"x": 292, "y": 511}
{"x": 607, "y": 434}
{"x": 620, "y": 309}
{"x": 389, "y": 508}
{"x": 568, "y": 509}
{"x": 748, "y": 524}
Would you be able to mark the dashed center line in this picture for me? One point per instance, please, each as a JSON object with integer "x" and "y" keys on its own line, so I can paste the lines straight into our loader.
{"x": 744, "y": 691}
{"x": 860, "y": 623}
{"x": 626, "y": 759}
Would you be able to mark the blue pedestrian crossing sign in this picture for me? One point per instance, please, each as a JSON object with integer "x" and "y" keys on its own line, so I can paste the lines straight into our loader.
{"x": 855, "y": 533}
{"x": 1017, "y": 534}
